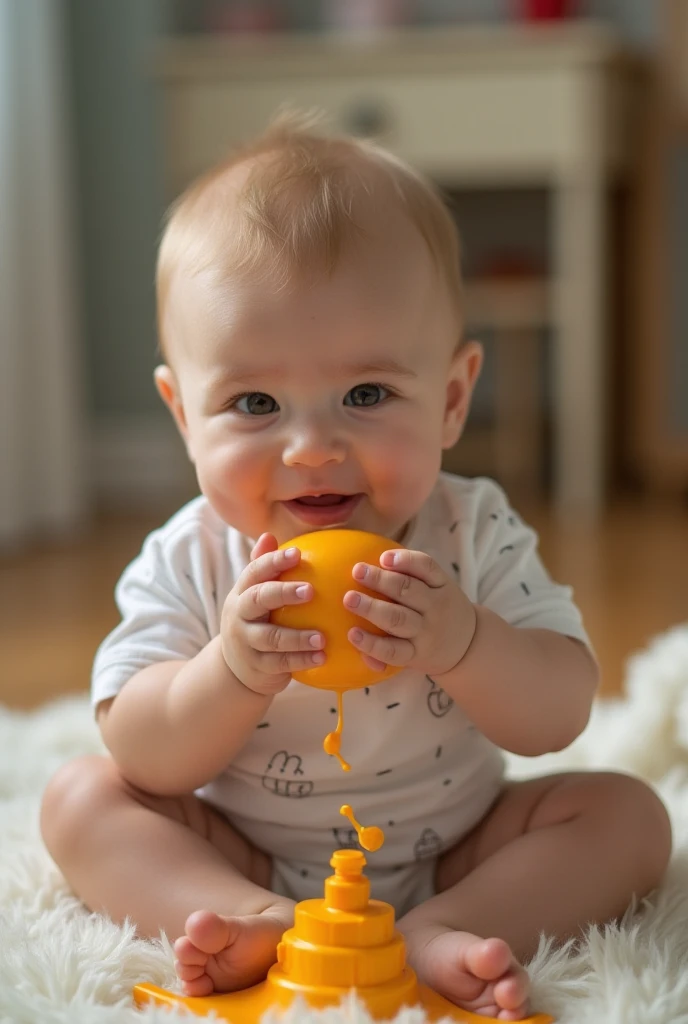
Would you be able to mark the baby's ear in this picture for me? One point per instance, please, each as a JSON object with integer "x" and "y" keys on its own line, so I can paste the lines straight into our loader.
{"x": 463, "y": 375}
{"x": 168, "y": 389}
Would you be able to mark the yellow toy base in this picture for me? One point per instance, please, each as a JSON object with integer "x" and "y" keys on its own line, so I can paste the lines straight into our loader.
{"x": 342, "y": 942}
{"x": 248, "y": 1006}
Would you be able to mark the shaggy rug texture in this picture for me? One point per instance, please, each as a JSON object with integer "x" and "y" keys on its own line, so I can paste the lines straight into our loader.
{"x": 60, "y": 964}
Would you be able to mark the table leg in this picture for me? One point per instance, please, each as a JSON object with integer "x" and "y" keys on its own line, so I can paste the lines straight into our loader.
{"x": 580, "y": 393}
{"x": 518, "y": 411}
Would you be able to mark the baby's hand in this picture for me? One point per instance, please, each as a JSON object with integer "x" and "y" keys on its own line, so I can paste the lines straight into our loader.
{"x": 429, "y": 621}
{"x": 262, "y": 655}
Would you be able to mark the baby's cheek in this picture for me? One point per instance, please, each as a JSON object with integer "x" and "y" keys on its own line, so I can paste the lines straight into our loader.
{"x": 405, "y": 467}
{"x": 229, "y": 477}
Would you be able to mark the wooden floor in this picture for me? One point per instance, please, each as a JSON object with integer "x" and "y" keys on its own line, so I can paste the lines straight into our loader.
{"x": 630, "y": 577}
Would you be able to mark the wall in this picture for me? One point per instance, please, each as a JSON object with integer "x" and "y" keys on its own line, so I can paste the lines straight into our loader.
{"x": 134, "y": 451}
{"x": 119, "y": 190}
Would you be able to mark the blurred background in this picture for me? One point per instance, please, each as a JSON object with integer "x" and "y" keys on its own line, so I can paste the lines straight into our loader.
{"x": 559, "y": 133}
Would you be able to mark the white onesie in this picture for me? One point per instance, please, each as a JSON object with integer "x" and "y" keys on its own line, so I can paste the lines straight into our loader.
{"x": 420, "y": 769}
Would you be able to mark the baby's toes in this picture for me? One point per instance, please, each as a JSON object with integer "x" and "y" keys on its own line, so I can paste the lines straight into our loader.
{"x": 512, "y": 994}
{"x": 514, "y": 1015}
{"x": 512, "y": 991}
{"x": 489, "y": 959}
{"x": 208, "y": 932}
{"x": 188, "y": 954}
{"x": 203, "y": 986}
{"x": 188, "y": 972}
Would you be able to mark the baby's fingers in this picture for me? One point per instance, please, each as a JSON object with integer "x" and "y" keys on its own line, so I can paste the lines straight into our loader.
{"x": 287, "y": 661}
{"x": 268, "y": 565}
{"x": 268, "y": 637}
{"x": 383, "y": 650}
{"x": 265, "y": 543}
{"x": 259, "y": 600}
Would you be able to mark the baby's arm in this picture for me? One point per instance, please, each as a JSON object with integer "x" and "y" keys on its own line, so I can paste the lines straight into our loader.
{"x": 528, "y": 690}
{"x": 175, "y": 725}
{"x": 528, "y": 679}
{"x": 507, "y": 644}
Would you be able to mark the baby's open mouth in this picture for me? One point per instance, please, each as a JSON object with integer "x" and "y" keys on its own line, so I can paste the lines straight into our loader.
{"x": 323, "y": 499}
{"x": 323, "y": 509}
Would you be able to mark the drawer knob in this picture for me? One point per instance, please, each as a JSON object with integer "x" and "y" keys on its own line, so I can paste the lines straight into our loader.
{"x": 366, "y": 119}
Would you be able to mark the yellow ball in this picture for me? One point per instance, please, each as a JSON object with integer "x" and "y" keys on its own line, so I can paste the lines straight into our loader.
{"x": 327, "y": 559}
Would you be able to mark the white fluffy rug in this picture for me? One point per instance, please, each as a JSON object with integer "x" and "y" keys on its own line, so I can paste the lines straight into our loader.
{"x": 60, "y": 964}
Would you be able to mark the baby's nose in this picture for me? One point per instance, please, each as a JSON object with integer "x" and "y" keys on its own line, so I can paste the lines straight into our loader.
{"x": 314, "y": 447}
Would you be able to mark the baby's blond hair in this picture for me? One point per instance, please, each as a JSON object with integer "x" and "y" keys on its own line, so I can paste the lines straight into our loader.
{"x": 293, "y": 211}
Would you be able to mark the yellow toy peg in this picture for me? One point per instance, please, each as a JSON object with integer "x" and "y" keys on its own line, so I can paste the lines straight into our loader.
{"x": 333, "y": 740}
{"x": 327, "y": 561}
{"x": 342, "y": 942}
{"x": 371, "y": 837}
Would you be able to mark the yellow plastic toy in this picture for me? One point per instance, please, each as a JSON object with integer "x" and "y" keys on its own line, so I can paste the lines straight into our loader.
{"x": 327, "y": 558}
{"x": 343, "y": 941}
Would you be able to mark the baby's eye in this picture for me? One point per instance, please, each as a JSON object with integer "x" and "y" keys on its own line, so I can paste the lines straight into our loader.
{"x": 255, "y": 403}
{"x": 366, "y": 394}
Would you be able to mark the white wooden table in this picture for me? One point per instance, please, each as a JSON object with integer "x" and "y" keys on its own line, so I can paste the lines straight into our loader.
{"x": 492, "y": 106}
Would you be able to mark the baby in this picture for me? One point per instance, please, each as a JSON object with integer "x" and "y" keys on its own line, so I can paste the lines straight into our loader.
{"x": 310, "y": 316}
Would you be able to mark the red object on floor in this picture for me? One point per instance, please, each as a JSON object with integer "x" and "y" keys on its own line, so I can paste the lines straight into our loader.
{"x": 546, "y": 10}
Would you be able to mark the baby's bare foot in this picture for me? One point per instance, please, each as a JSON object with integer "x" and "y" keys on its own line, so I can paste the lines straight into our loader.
{"x": 477, "y": 974}
{"x": 221, "y": 954}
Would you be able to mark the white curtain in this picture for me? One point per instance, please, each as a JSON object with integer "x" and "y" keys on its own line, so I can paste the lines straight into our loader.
{"x": 42, "y": 487}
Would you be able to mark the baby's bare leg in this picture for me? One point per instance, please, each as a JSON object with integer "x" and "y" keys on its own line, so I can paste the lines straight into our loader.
{"x": 158, "y": 861}
{"x": 552, "y": 855}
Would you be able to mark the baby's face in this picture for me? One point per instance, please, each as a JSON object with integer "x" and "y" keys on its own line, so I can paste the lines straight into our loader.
{"x": 327, "y": 405}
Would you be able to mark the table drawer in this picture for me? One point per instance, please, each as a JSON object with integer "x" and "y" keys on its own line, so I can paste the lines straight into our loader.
{"x": 481, "y": 127}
